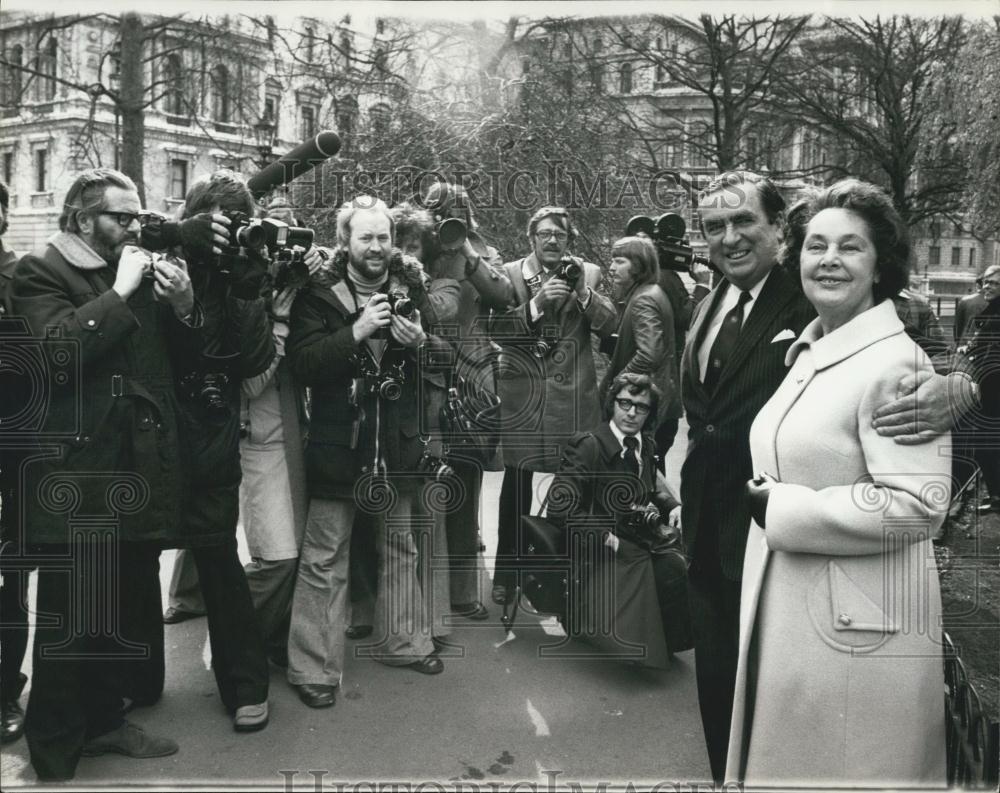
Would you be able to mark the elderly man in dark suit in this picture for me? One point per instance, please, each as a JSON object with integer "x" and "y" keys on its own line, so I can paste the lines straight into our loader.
{"x": 733, "y": 362}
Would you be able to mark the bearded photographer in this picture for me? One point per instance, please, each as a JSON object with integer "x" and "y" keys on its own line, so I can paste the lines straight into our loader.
{"x": 450, "y": 245}
{"x": 547, "y": 379}
{"x": 91, "y": 294}
{"x": 356, "y": 337}
{"x": 235, "y": 343}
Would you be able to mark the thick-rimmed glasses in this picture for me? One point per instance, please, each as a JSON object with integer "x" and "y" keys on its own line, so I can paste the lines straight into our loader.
{"x": 123, "y": 219}
{"x": 641, "y": 408}
{"x": 550, "y": 234}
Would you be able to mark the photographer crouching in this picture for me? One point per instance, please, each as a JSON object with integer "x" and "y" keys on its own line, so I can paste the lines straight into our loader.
{"x": 356, "y": 334}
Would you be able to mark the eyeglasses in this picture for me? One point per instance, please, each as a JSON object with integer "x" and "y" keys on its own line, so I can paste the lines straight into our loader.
{"x": 549, "y": 234}
{"x": 123, "y": 219}
{"x": 641, "y": 408}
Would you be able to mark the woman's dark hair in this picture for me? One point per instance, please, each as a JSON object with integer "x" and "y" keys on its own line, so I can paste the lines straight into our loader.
{"x": 873, "y": 205}
{"x": 642, "y": 253}
{"x": 413, "y": 222}
{"x": 634, "y": 384}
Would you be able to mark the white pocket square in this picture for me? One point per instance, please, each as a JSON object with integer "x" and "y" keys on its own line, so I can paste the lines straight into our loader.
{"x": 783, "y": 336}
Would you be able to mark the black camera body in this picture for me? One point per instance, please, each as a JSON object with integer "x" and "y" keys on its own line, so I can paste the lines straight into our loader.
{"x": 451, "y": 233}
{"x": 569, "y": 270}
{"x": 292, "y": 270}
{"x": 244, "y": 232}
{"x": 668, "y": 235}
{"x": 387, "y": 385}
{"x": 645, "y": 523}
{"x": 437, "y": 468}
{"x": 400, "y": 304}
{"x": 213, "y": 384}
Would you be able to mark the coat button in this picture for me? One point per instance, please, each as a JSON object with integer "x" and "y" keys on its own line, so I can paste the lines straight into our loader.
{"x": 710, "y": 428}
{"x": 364, "y": 469}
{"x": 844, "y": 619}
{"x": 800, "y": 379}
{"x": 91, "y": 323}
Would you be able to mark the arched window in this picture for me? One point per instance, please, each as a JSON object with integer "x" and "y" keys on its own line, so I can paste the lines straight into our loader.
{"x": 625, "y": 79}
{"x": 45, "y": 83}
{"x": 13, "y": 83}
{"x": 220, "y": 94}
{"x": 173, "y": 86}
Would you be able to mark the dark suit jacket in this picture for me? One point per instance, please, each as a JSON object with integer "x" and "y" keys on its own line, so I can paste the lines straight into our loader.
{"x": 718, "y": 465}
{"x": 592, "y": 482}
{"x": 646, "y": 346}
{"x": 968, "y": 309}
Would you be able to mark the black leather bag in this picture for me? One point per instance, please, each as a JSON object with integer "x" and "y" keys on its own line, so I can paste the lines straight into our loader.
{"x": 543, "y": 570}
{"x": 470, "y": 421}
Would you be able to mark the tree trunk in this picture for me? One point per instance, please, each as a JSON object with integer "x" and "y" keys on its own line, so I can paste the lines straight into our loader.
{"x": 131, "y": 103}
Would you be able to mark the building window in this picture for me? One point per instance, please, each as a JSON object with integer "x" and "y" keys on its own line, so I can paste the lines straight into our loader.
{"x": 752, "y": 149}
{"x": 307, "y": 116}
{"x": 625, "y": 80}
{"x": 934, "y": 255}
{"x": 220, "y": 94}
{"x": 661, "y": 73}
{"x": 173, "y": 78}
{"x": 380, "y": 117}
{"x": 956, "y": 256}
{"x": 41, "y": 170}
{"x": 178, "y": 179}
{"x": 379, "y": 26}
{"x": 272, "y": 31}
{"x": 345, "y": 48}
{"x": 597, "y": 77}
{"x": 972, "y": 257}
{"x": 310, "y": 41}
{"x": 598, "y": 44}
{"x": 8, "y": 169}
{"x": 45, "y": 65}
{"x": 13, "y": 82}
{"x": 380, "y": 59}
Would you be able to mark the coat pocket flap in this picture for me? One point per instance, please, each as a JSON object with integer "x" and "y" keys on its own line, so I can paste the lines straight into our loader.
{"x": 852, "y": 609}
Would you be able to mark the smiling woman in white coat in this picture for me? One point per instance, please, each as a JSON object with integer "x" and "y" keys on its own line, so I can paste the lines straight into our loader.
{"x": 840, "y": 679}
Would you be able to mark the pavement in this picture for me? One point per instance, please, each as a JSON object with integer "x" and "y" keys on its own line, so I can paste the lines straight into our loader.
{"x": 502, "y": 712}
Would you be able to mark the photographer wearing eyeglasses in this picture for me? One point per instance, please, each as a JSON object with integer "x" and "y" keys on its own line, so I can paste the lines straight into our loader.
{"x": 104, "y": 314}
{"x": 547, "y": 379}
{"x": 629, "y": 592}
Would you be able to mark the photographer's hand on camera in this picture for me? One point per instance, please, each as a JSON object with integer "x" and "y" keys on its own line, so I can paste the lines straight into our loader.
{"x": 132, "y": 265}
{"x": 376, "y": 315}
{"x": 205, "y": 233}
{"x": 408, "y": 332}
{"x": 552, "y": 294}
{"x": 172, "y": 285}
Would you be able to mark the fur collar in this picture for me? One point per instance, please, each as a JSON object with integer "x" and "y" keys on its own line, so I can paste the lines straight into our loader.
{"x": 75, "y": 251}
{"x": 404, "y": 271}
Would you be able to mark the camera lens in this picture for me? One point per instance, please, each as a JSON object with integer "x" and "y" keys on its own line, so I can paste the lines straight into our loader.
{"x": 452, "y": 233}
{"x": 390, "y": 390}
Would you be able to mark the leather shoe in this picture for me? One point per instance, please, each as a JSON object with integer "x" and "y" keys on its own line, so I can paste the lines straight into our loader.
{"x": 250, "y": 718}
{"x": 130, "y": 740}
{"x": 173, "y": 615}
{"x": 317, "y": 695}
{"x": 13, "y": 721}
{"x": 431, "y": 665}
{"x": 359, "y": 631}
{"x": 473, "y": 611}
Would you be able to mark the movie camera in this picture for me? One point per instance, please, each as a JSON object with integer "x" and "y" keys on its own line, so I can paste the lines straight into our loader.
{"x": 668, "y": 235}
